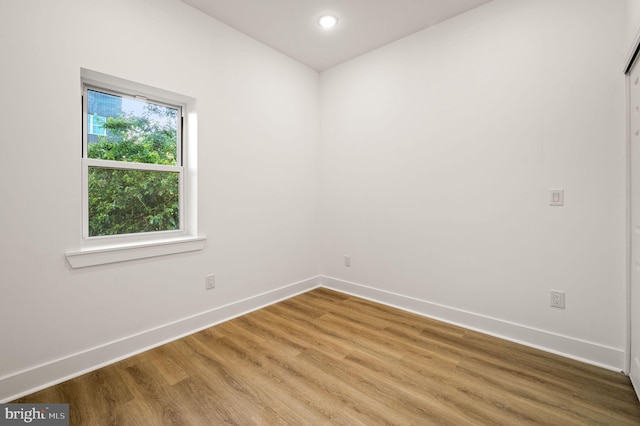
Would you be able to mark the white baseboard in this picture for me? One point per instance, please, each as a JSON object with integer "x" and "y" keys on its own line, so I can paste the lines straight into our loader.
{"x": 39, "y": 377}
{"x": 589, "y": 352}
{"x": 636, "y": 386}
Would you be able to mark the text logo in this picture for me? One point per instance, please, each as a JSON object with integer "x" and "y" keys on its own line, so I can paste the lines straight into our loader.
{"x": 34, "y": 414}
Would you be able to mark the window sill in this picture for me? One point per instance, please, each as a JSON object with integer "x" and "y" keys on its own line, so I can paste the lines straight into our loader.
{"x": 123, "y": 253}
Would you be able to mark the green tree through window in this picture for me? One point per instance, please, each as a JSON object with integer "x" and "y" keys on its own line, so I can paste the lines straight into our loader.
{"x": 134, "y": 172}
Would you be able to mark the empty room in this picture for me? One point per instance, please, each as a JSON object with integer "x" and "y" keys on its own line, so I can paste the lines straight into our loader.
{"x": 408, "y": 212}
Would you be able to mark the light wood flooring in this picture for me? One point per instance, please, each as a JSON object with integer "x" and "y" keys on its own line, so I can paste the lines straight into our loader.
{"x": 329, "y": 358}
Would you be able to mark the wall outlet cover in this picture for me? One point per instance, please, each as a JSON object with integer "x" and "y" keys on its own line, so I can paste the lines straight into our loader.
{"x": 557, "y": 299}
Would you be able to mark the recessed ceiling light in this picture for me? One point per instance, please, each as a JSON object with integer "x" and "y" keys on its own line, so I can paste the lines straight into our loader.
{"x": 328, "y": 21}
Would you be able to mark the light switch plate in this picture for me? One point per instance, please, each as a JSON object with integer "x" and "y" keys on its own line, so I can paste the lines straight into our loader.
{"x": 556, "y": 197}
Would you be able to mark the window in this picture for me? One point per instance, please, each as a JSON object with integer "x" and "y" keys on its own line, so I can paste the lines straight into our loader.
{"x": 138, "y": 172}
{"x": 133, "y": 169}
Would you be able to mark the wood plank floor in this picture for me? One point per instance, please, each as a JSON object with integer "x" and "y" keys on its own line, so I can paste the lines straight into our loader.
{"x": 328, "y": 358}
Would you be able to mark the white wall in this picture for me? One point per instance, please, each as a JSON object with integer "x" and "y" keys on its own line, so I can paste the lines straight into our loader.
{"x": 437, "y": 154}
{"x": 633, "y": 21}
{"x": 257, "y": 174}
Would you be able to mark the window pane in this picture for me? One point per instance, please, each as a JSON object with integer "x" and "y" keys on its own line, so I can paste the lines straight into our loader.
{"x": 131, "y": 130}
{"x": 132, "y": 201}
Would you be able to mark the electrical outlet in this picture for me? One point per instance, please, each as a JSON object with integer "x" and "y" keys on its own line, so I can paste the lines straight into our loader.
{"x": 210, "y": 282}
{"x": 557, "y": 299}
{"x": 347, "y": 261}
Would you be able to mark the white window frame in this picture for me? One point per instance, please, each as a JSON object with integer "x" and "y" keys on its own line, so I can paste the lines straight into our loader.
{"x": 99, "y": 250}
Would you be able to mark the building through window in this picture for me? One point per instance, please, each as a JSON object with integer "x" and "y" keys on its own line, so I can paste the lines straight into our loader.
{"x": 101, "y": 106}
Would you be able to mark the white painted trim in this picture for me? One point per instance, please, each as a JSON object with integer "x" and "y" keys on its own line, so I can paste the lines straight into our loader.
{"x": 581, "y": 350}
{"x": 628, "y": 223}
{"x": 57, "y": 371}
{"x": 124, "y": 252}
{"x": 42, "y": 376}
{"x": 633, "y": 62}
{"x": 123, "y": 165}
{"x": 632, "y": 55}
{"x": 636, "y": 386}
{"x": 187, "y": 168}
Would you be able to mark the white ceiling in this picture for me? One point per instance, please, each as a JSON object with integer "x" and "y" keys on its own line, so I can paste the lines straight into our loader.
{"x": 290, "y": 26}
